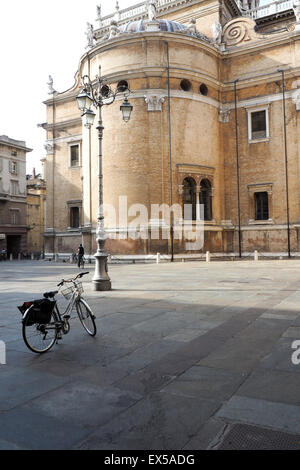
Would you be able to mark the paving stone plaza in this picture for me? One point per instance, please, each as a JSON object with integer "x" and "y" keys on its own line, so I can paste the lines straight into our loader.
{"x": 188, "y": 356}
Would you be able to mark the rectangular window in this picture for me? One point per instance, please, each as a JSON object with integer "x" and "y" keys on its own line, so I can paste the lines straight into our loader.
{"x": 259, "y": 125}
{"x": 14, "y": 153}
{"x": 14, "y": 188}
{"x": 13, "y": 167}
{"x": 14, "y": 217}
{"x": 261, "y": 206}
{"x": 74, "y": 217}
{"x": 74, "y": 155}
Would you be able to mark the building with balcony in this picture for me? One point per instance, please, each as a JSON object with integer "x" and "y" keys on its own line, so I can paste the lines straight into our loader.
{"x": 13, "y": 223}
{"x": 215, "y": 87}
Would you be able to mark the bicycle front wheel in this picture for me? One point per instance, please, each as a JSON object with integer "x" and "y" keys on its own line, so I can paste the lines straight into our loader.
{"x": 39, "y": 338}
{"x": 86, "y": 317}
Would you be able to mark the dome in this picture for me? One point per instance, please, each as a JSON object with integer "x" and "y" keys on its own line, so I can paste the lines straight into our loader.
{"x": 164, "y": 25}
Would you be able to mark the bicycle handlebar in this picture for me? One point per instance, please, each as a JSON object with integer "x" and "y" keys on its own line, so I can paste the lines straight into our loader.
{"x": 63, "y": 281}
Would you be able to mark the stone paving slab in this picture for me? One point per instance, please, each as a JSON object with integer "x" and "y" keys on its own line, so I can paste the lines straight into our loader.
{"x": 269, "y": 384}
{"x": 184, "y": 352}
{"x": 279, "y": 416}
{"x": 29, "y": 430}
{"x": 160, "y": 421}
{"x": 205, "y": 382}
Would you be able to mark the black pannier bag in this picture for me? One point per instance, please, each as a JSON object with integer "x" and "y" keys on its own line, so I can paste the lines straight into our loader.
{"x": 40, "y": 311}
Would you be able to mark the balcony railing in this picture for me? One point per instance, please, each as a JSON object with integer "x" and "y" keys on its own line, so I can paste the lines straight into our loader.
{"x": 270, "y": 9}
{"x": 137, "y": 11}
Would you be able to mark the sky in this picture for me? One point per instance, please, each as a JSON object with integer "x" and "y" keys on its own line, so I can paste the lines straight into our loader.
{"x": 39, "y": 38}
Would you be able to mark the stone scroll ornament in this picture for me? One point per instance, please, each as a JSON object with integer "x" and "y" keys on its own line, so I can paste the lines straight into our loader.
{"x": 239, "y": 30}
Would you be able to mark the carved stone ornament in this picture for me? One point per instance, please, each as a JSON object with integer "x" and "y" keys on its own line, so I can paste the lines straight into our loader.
{"x": 49, "y": 148}
{"x": 113, "y": 29}
{"x": 154, "y": 102}
{"x": 238, "y": 31}
{"x": 180, "y": 189}
{"x": 224, "y": 114}
{"x": 296, "y": 98}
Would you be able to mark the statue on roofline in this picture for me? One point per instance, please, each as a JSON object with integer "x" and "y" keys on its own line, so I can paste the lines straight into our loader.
{"x": 152, "y": 9}
{"x": 50, "y": 85}
{"x": 217, "y": 32}
{"x": 90, "y": 35}
{"x": 296, "y": 8}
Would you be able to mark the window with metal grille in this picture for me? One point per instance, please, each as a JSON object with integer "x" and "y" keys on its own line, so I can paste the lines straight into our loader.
{"x": 261, "y": 206}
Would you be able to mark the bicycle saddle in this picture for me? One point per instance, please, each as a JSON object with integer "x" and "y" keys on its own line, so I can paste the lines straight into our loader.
{"x": 50, "y": 295}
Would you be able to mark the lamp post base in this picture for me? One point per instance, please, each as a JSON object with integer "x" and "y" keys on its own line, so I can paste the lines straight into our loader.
{"x": 102, "y": 285}
{"x": 101, "y": 279}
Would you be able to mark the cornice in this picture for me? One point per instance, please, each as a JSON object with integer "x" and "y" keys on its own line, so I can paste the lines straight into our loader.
{"x": 131, "y": 38}
{"x": 63, "y": 124}
{"x": 15, "y": 144}
{"x": 62, "y": 97}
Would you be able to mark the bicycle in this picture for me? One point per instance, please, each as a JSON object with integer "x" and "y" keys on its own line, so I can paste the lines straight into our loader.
{"x": 43, "y": 324}
{"x": 81, "y": 261}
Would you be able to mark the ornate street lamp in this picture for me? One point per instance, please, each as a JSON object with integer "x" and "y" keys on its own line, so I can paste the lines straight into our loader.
{"x": 98, "y": 93}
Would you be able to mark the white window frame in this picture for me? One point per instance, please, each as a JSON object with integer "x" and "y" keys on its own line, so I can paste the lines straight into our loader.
{"x": 13, "y": 167}
{"x": 73, "y": 144}
{"x": 250, "y": 111}
{"x": 14, "y": 183}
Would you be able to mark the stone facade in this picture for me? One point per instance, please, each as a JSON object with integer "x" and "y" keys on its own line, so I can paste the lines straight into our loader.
{"x": 36, "y": 208}
{"x": 222, "y": 74}
{"x": 13, "y": 224}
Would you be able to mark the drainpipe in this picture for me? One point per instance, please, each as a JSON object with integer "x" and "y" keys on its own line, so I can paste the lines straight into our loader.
{"x": 170, "y": 156}
{"x": 286, "y": 164}
{"x": 237, "y": 167}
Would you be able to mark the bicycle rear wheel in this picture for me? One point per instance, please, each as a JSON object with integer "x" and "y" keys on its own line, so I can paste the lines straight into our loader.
{"x": 39, "y": 338}
{"x": 86, "y": 317}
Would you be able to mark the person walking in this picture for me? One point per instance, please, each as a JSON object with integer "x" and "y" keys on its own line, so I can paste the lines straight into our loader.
{"x": 80, "y": 253}
{"x": 3, "y": 254}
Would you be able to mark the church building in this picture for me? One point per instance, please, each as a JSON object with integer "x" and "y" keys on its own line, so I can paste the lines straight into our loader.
{"x": 214, "y": 130}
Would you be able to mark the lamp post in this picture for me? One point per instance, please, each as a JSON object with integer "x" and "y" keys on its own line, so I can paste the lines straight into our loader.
{"x": 98, "y": 93}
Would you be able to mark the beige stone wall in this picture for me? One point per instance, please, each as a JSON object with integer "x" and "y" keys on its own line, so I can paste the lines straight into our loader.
{"x": 35, "y": 219}
{"x": 136, "y": 155}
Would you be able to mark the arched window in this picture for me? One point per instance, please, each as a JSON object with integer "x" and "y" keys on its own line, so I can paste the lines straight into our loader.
{"x": 206, "y": 198}
{"x": 261, "y": 206}
{"x": 189, "y": 199}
